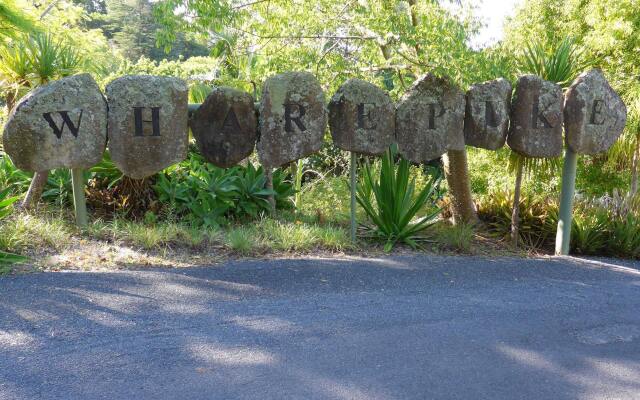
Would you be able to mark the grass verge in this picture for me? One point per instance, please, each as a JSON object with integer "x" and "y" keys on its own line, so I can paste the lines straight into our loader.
{"x": 286, "y": 235}
{"x": 52, "y": 242}
{"x": 21, "y": 232}
{"x": 148, "y": 236}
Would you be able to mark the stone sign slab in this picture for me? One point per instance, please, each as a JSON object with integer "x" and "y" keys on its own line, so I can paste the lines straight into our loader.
{"x": 430, "y": 119}
{"x": 225, "y": 126}
{"x": 148, "y": 123}
{"x": 62, "y": 124}
{"x": 486, "y": 120}
{"x": 536, "y": 118}
{"x": 362, "y": 118}
{"x": 594, "y": 114}
{"x": 292, "y": 120}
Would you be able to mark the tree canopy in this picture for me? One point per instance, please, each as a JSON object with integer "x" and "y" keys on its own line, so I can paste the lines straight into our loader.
{"x": 387, "y": 41}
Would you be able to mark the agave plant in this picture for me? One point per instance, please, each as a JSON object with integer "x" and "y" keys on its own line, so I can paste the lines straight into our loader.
{"x": 253, "y": 196}
{"x": 391, "y": 203}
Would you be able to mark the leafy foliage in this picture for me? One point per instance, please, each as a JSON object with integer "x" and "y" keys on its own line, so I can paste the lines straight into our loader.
{"x": 388, "y": 42}
{"x": 600, "y": 226}
{"x": 50, "y": 58}
{"x": 130, "y": 24}
{"x": 391, "y": 202}
{"x": 559, "y": 64}
{"x": 12, "y": 178}
{"x": 606, "y": 33}
{"x": 208, "y": 195}
{"x": 625, "y": 237}
{"x": 32, "y": 60}
{"x": 198, "y": 92}
{"x": 12, "y": 20}
{"x": 6, "y": 202}
{"x": 589, "y": 232}
{"x": 538, "y": 217}
{"x": 59, "y": 189}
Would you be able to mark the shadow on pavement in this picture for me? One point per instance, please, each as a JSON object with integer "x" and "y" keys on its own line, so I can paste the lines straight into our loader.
{"x": 390, "y": 328}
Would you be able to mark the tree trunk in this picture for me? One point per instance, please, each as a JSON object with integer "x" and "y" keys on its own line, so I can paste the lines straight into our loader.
{"x": 457, "y": 174}
{"x": 10, "y": 100}
{"x": 634, "y": 169}
{"x": 515, "y": 214}
{"x": 38, "y": 182}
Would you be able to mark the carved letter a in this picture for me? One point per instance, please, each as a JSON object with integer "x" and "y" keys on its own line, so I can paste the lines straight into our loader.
{"x": 231, "y": 123}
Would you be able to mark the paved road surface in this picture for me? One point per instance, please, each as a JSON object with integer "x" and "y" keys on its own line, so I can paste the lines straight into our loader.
{"x": 393, "y": 328}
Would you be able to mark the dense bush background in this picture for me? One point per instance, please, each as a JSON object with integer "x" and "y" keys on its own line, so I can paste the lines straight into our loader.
{"x": 388, "y": 42}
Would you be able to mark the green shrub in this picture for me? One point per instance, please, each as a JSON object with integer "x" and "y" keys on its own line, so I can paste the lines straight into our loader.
{"x": 208, "y": 196}
{"x": 390, "y": 205}
{"x": 488, "y": 170}
{"x": 538, "y": 217}
{"x": 609, "y": 225}
{"x": 59, "y": 190}
{"x": 106, "y": 171}
{"x": 241, "y": 240}
{"x": 589, "y": 231}
{"x": 6, "y": 203}
{"x": 327, "y": 198}
{"x": 252, "y": 195}
{"x": 457, "y": 237}
{"x": 606, "y": 226}
{"x": 596, "y": 177}
{"x": 625, "y": 237}
{"x": 198, "y": 92}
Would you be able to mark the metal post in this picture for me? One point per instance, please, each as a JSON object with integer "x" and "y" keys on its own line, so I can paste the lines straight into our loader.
{"x": 352, "y": 176}
{"x": 79, "y": 203}
{"x": 563, "y": 235}
{"x": 268, "y": 173}
{"x": 297, "y": 184}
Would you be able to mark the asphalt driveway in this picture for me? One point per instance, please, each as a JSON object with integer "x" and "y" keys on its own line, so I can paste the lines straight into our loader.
{"x": 389, "y": 328}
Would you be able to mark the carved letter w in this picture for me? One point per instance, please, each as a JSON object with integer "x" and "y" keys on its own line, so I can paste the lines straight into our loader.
{"x": 74, "y": 128}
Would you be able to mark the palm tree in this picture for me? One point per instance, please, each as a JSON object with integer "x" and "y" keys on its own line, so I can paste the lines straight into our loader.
{"x": 12, "y": 21}
{"x": 560, "y": 65}
{"x": 456, "y": 171}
